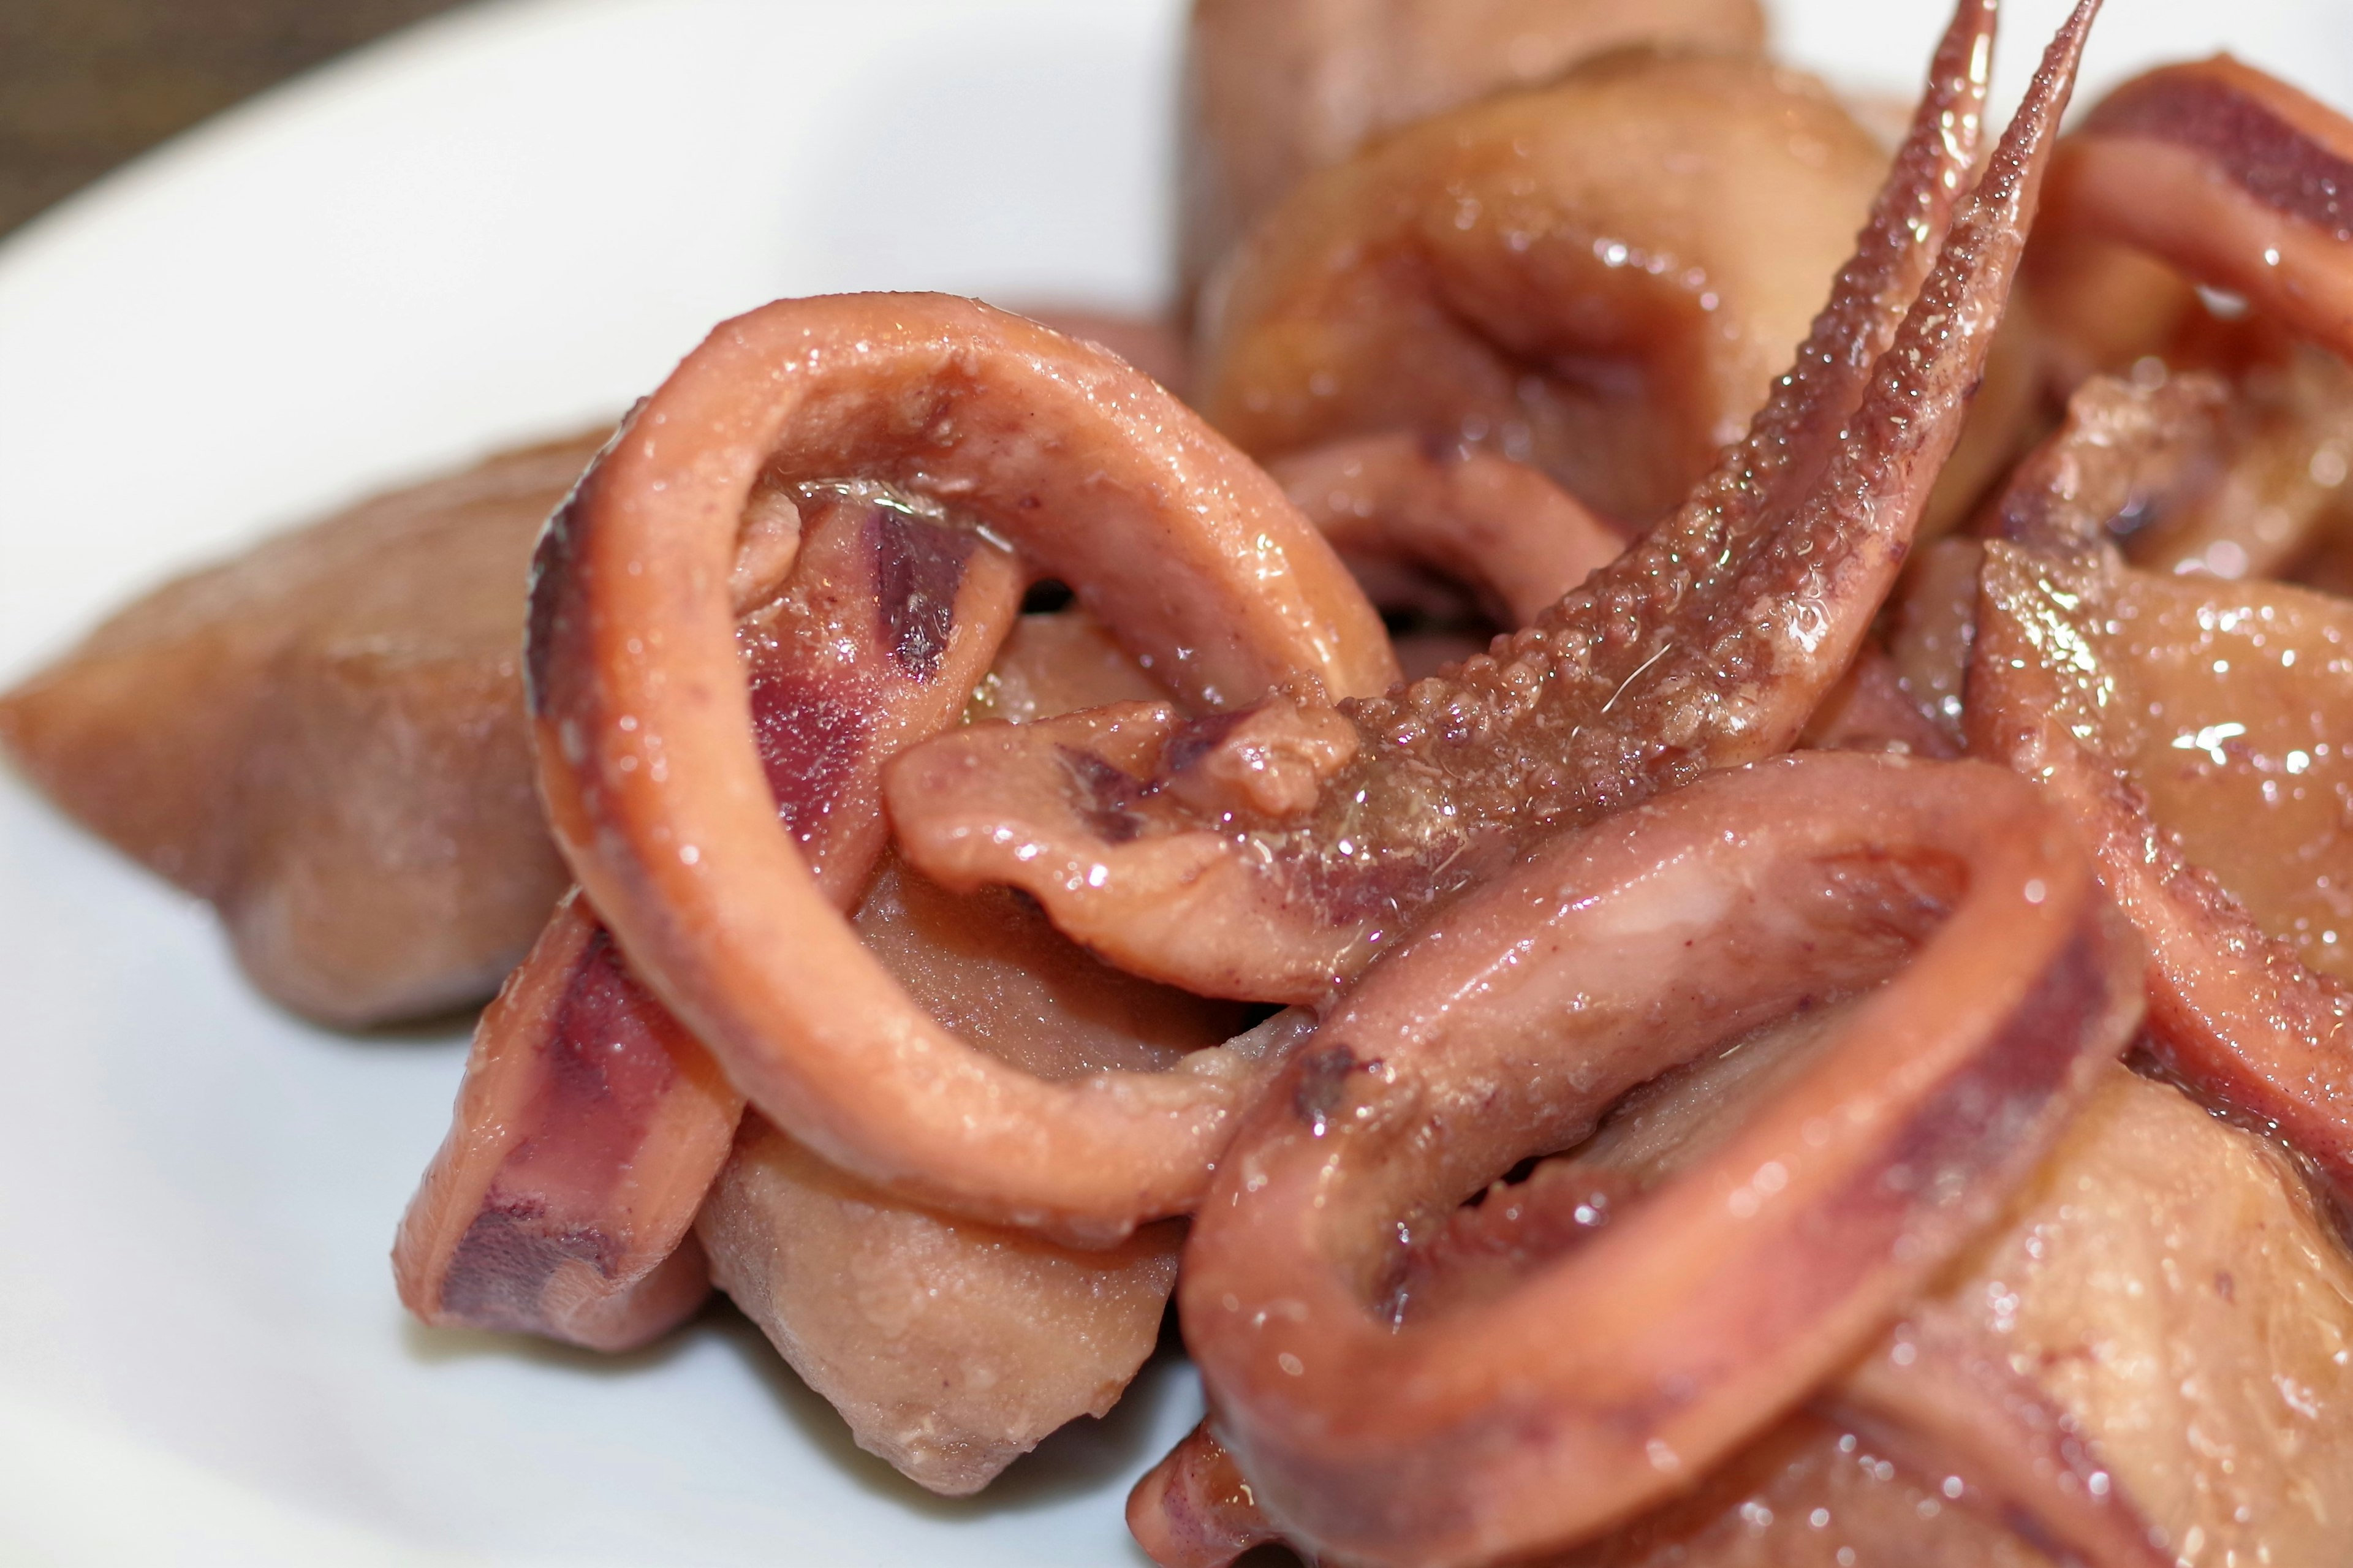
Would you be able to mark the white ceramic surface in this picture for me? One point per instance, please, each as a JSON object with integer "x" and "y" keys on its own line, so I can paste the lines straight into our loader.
{"x": 498, "y": 225}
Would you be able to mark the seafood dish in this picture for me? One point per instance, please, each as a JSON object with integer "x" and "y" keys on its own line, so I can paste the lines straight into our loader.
{"x": 1648, "y": 812}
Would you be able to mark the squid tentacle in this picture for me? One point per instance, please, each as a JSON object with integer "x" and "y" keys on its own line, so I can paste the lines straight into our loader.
{"x": 1707, "y": 644}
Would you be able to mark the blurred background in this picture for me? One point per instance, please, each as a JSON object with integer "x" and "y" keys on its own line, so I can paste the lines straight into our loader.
{"x": 87, "y": 84}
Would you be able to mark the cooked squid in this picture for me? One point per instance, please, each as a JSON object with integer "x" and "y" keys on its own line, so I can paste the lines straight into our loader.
{"x": 951, "y": 1347}
{"x": 1708, "y": 643}
{"x": 325, "y": 739}
{"x": 1600, "y": 280}
{"x": 593, "y": 1129}
{"x": 1512, "y": 1024}
{"x": 2189, "y": 727}
{"x": 591, "y": 1124}
{"x": 1697, "y": 1132}
{"x": 1273, "y": 93}
{"x": 1092, "y": 475}
{"x": 2143, "y": 1362}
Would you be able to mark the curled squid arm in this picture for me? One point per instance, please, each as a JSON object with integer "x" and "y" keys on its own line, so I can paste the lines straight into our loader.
{"x": 590, "y": 1124}
{"x": 2229, "y": 175}
{"x": 1501, "y": 529}
{"x": 1270, "y": 857}
{"x": 1983, "y": 986}
{"x": 1089, "y": 473}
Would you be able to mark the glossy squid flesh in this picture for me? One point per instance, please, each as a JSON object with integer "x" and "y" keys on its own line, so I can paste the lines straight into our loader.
{"x": 1273, "y": 93}
{"x": 1511, "y": 538}
{"x": 590, "y": 1124}
{"x": 2017, "y": 1387}
{"x": 1600, "y": 280}
{"x": 1091, "y": 474}
{"x": 2181, "y": 721}
{"x": 2229, "y": 175}
{"x": 1993, "y": 984}
{"x": 1270, "y": 857}
{"x": 2195, "y": 224}
{"x": 949, "y": 1348}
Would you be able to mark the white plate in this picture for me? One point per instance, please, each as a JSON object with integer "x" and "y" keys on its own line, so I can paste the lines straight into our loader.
{"x": 502, "y": 224}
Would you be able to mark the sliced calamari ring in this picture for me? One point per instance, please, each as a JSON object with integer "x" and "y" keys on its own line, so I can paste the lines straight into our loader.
{"x": 1994, "y": 984}
{"x": 1091, "y": 473}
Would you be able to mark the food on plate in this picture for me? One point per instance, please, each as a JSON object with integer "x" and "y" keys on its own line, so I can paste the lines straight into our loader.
{"x": 323, "y": 737}
{"x": 1453, "y": 854}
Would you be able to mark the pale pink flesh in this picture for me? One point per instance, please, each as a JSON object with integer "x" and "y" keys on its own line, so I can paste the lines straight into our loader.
{"x": 2124, "y": 451}
{"x": 990, "y": 968}
{"x": 2215, "y": 174}
{"x": 1870, "y": 711}
{"x": 2177, "y": 1291}
{"x": 1501, "y": 529}
{"x": 1508, "y": 1027}
{"x": 1709, "y": 643}
{"x": 590, "y": 1124}
{"x": 1809, "y": 1493}
{"x": 2145, "y": 1359}
{"x": 949, "y": 1346}
{"x": 1153, "y": 345}
{"x": 2190, "y": 729}
{"x": 1931, "y": 1396}
{"x": 1940, "y": 1397}
{"x": 1095, "y": 476}
{"x": 2229, "y": 175}
{"x": 2222, "y": 458}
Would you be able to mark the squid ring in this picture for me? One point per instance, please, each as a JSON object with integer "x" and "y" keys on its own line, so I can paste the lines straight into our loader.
{"x": 2230, "y": 175}
{"x": 1093, "y": 474}
{"x": 1999, "y": 982}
